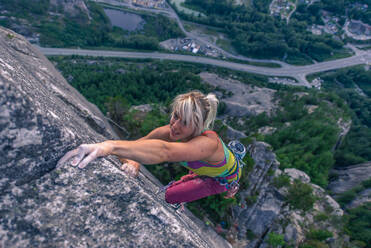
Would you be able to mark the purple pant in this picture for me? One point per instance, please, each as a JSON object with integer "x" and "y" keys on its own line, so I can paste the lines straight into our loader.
{"x": 192, "y": 187}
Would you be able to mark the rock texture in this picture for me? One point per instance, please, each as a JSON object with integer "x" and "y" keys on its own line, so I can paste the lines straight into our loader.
{"x": 41, "y": 118}
{"x": 265, "y": 208}
{"x": 76, "y": 9}
{"x": 71, "y": 7}
{"x": 348, "y": 178}
{"x": 246, "y": 99}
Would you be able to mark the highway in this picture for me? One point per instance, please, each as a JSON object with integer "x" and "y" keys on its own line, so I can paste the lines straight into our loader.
{"x": 286, "y": 70}
{"x": 170, "y": 12}
{"x": 297, "y": 72}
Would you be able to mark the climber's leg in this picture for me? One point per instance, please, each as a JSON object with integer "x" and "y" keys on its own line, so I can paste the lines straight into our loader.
{"x": 193, "y": 189}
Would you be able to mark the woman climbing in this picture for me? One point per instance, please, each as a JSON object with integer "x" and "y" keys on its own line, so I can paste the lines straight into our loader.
{"x": 187, "y": 139}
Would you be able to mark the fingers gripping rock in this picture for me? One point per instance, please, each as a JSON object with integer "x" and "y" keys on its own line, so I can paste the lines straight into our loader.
{"x": 89, "y": 158}
{"x": 131, "y": 169}
{"x": 83, "y": 155}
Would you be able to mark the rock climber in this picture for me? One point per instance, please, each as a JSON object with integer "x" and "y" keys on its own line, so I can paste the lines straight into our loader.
{"x": 188, "y": 139}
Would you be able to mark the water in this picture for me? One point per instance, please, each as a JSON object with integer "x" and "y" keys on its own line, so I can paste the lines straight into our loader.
{"x": 125, "y": 20}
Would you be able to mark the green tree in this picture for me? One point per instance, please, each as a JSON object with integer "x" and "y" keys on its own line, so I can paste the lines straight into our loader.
{"x": 300, "y": 196}
{"x": 275, "y": 240}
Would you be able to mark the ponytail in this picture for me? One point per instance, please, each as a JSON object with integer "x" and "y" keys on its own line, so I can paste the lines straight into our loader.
{"x": 213, "y": 101}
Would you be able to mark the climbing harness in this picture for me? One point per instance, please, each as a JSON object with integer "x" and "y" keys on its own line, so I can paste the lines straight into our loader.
{"x": 239, "y": 152}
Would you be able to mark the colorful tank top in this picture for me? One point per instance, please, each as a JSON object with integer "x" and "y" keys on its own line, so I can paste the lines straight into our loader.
{"x": 227, "y": 169}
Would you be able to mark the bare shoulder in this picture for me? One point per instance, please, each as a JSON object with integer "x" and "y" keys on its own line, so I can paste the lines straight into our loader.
{"x": 162, "y": 133}
{"x": 210, "y": 134}
{"x": 209, "y": 137}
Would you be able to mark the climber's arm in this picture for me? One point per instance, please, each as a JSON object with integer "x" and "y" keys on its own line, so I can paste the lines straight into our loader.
{"x": 161, "y": 133}
{"x": 132, "y": 166}
{"x": 155, "y": 151}
{"x": 151, "y": 151}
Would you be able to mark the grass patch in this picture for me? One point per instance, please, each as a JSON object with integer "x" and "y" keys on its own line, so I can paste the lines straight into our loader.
{"x": 299, "y": 60}
{"x": 339, "y": 54}
{"x": 275, "y": 240}
{"x": 365, "y": 48}
{"x": 260, "y": 64}
{"x": 226, "y": 45}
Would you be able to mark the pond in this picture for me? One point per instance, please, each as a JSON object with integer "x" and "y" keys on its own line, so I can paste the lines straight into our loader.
{"x": 125, "y": 20}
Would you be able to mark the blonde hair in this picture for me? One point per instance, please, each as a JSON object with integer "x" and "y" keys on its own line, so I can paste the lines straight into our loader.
{"x": 196, "y": 109}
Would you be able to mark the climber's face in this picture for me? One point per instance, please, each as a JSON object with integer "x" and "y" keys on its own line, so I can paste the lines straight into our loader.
{"x": 179, "y": 130}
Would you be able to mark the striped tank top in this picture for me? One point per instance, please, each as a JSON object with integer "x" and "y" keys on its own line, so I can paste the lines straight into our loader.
{"x": 227, "y": 169}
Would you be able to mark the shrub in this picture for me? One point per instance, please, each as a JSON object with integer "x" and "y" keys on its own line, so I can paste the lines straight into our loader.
{"x": 319, "y": 235}
{"x": 216, "y": 207}
{"x": 275, "y": 240}
{"x": 300, "y": 196}
{"x": 358, "y": 244}
{"x": 321, "y": 217}
{"x": 367, "y": 183}
{"x": 250, "y": 234}
{"x": 251, "y": 199}
{"x": 281, "y": 181}
{"x": 313, "y": 244}
{"x": 346, "y": 197}
{"x": 359, "y": 223}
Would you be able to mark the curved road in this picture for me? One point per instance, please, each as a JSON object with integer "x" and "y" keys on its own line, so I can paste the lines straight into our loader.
{"x": 297, "y": 72}
{"x": 361, "y": 57}
{"x": 170, "y": 12}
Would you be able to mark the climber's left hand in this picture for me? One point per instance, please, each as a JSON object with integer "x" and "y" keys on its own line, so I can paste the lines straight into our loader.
{"x": 85, "y": 153}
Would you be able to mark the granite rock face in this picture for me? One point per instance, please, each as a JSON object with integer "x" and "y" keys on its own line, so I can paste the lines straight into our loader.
{"x": 266, "y": 209}
{"x": 72, "y": 8}
{"x": 246, "y": 100}
{"x": 41, "y": 118}
{"x": 348, "y": 178}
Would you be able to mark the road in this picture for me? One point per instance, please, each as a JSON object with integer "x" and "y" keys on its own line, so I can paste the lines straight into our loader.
{"x": 360, "y": 58}
{"x": 297, "y": 72}
{"x": 170, "y": 12}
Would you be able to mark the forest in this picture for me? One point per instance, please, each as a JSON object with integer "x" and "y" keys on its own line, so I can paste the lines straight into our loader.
{"x": 303, "y": 139}
{"x": 353, "y": 86}
{"x": 357, "y": 13}
{"x": 257, "y": 34}
{"x": 252, "y": 31}
{"x": 63, "y": 30}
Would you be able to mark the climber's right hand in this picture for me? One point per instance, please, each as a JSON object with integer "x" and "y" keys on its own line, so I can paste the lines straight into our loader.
{"x": 131, "y": 167}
